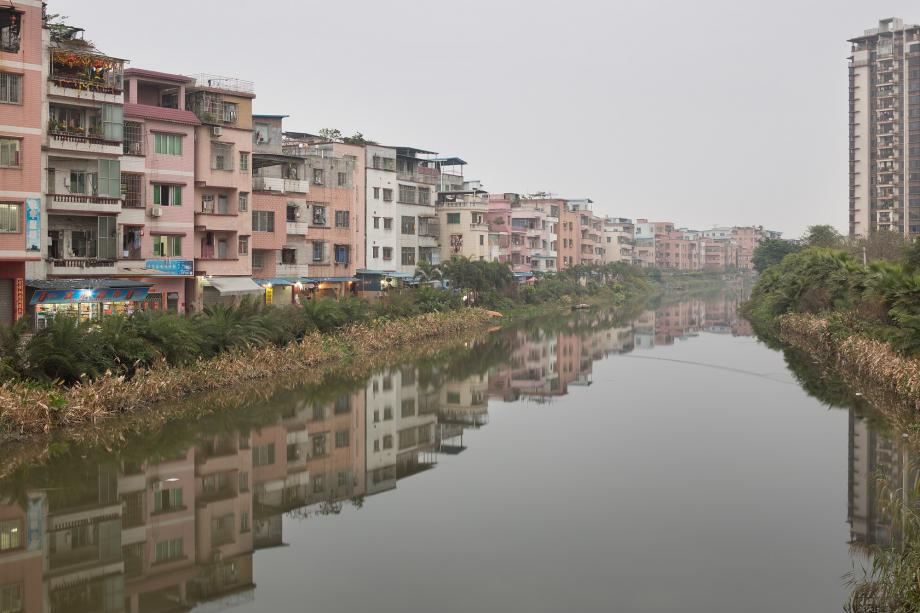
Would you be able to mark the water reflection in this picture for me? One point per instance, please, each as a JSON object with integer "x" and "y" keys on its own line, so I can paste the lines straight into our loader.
{"x": 168, "y": 524}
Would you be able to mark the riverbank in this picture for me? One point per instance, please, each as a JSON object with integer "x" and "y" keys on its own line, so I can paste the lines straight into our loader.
{"x": 28, "y": 410}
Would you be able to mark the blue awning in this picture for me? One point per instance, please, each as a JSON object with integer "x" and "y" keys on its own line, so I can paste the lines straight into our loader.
{"x": 523, "y": 274}
{"x": 327, "y": 279}
{"x": 277, "y": 281}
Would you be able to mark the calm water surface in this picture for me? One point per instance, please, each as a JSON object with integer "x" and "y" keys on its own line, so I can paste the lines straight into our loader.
{"x": 665, "y": 462}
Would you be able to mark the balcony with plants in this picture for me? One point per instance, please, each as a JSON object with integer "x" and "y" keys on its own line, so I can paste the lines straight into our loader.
{"x": 84, "y": 71}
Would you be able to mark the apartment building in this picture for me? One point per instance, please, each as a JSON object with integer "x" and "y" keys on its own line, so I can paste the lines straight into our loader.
{"x": 462, "y": 217}
{"x": 382, "y": 244}
{"x": 884, "y": 129}
{"x": 619, "y": 240}
{"x": 155, "y": 237}
{"x": 589, "y": 245}
{"x": 334, "y": 209}
{"x": 419, "y": 176}
{"x": 22, "y": 90}
{"x": 223, "y": 190}
{"x": 280, "y": 188}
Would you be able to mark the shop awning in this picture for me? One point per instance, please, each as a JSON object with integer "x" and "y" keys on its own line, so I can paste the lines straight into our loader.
{"x": 234, "y": 286}
{"x": 327, "y": 279}
{"x": 64, "y": 291}
{"x": 276, "y": 281}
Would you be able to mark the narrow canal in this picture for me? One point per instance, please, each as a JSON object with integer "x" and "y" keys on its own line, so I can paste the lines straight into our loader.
{"x": 661, "y": 461}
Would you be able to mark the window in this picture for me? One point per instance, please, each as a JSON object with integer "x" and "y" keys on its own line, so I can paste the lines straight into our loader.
{"x": 387, "y": 223}
{"x": 341, "y": 439}
{"x": 133, "y": 141}
{"x": 109, "y": 182}
{"x": 387, "y": 413}
{"x": 263, "y": 221}
{"x": 341, "y": 179}
{"x": 319, "y": 251}
{"x": 407, "y": 407}
{"x": 387, "y": 253}
{"x": 376, "y": 223}
{"x": 341, "y": 219}
{"x": 453, "y": 397}
{"x": 408, "y": 256}
{"x": 376, "y": 190}
{"x": 10, "y": 27}
{"x": 387, "y": 194}
{"x": 229, "y": 112}
{"x": 377, "y": 445}
{"x": 113, "y": 123}
{"x": 375, "y": 250}
{"x": 258, "y": 257}
{"x": 243, "y": 203}
{"x": 10, "y": 152}
{"x": 317, "y": 176}
{"x": 166, "y": 501}
{"x": 10, "y": 217}
{"x": 169, "y": 550}
{"x": 167, "y": 144}
{"x": 453, "y": 218}
{"x": 10, "y": 88}
{"x": 10, "y": 535}
{"x": 244, "y": 162}
{"x": 220, "y": 156}
{"x": 319, "y": 445}
{"x": 407, "y": 194}
{"x": 408, "y": 225}
{"x": 319, "y": 215}
{"x": 482, "y": 239}
{"x": 11, "y": 598}
{"x": 263, "y": 455}
{"x": 424, "y": 195}
{"x": 167, "y": 246}
{"x": 167, "y": 195}
{"x": 387, "y": 441}
{"x": 341, "y": 254}
{"x": 244, "y": 522}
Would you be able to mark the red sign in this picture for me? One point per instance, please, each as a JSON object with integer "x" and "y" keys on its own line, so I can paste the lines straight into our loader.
{"x": 20, "y": 298}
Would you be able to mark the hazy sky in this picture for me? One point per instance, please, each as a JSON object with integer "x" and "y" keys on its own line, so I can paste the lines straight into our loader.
{"x": 705, "y": 112}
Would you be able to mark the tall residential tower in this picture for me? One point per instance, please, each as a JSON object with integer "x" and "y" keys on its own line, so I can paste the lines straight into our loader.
{"x": 885, "y": 129}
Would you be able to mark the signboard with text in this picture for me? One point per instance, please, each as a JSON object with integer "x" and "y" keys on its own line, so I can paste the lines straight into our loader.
{"x": 33, "y": 224}
{"x": 178, "y": 268}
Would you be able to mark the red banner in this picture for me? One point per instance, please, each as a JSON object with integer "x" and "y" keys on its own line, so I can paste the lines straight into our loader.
{"x": 20, "y": 298}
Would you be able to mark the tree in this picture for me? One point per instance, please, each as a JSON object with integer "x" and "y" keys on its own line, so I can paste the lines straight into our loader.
{"x": 771, "y": 251}
{"x": 912, "y": 257}
{"x": 822, "y": 235}
{"x": 331, "y": 134}
{"x": 357, "y": 139}
{"x": 879, "y": 245}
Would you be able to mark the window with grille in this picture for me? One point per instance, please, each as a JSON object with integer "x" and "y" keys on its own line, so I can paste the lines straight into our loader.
{"x": 408, "y": 256}
{"x": 341, "y": 254}
{"x": 341, "y": 219}
{"x": 10, "y": 152}
{"x": 10, "y": 28}
{"x": 220, "y": 156}
{"x": 387, "y": 194}
{"x": 243, "y": 203}
{"x": 319, "y": 251}
{"x": 10, "y": 88}
{"x": 133, "y": 142}
{"x": 387, "y": 253}
{"x": 263, "y": 221}
{"x": 424, "y": 195}
{"x": 132, "y": 189}
{"x": 407, "y": 194}
{"x": 408, "y": 225}
{"x": 244, "y": 249}
{"x": 10, "y": 217}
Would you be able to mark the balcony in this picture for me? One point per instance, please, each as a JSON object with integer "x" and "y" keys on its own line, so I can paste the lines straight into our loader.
{"x": 479, "y": 227}
{"x": 81, "y": 267}
{"x": 297, "y": 228}
{"x": 279, "y": 185}
{"x": 218, "y": 222}
{"x": 86, "y": 75}
{"x": 419, "y": 177}
{"x": 292, "y": 270}
{"x": 83, "y": 203}
{"x": 296, "y": 186}
{"x": 83, "y": 143}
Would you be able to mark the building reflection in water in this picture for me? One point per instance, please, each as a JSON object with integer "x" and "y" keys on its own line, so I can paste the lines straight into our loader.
{"x": 179, "y": 528}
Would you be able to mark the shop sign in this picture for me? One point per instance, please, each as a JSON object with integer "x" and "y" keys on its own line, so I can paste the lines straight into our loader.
{"x": 65, "y": 296}
{"x": 268, "y": 294}
{"x": 178, "y": 268}
{"x": 20, "y": 297}
{"x": 33, "y": 224}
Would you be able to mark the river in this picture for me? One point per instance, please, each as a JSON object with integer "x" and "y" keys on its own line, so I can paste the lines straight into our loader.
{"x": 661, "y": 461}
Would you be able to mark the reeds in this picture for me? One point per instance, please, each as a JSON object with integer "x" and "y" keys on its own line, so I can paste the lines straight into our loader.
{"x": 27, "y": 409}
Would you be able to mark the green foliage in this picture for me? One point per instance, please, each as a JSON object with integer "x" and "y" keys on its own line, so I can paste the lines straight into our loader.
{"x": 823, "y": 235}
{"x": 61, "y": 352}
{"x": 771, "y": 252}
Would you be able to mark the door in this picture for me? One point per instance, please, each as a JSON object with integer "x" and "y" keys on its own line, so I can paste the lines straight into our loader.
{"x": 6, "y": 302}
{"x": 222, "y": 249}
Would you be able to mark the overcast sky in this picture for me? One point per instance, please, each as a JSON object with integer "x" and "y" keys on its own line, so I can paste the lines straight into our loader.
{"x": 702, "y": 113}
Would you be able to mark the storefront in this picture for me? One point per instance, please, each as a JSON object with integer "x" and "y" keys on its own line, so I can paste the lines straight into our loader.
{"x": 329, "y": 287}
{"x": 84, "y": 299}
{"x": 280, "y": 291}
{"x": 228, "y": 290}
{"x": 167, "y": 282}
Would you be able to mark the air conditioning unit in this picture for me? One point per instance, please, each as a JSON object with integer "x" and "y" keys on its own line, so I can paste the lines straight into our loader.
{"x": 156, "y": 211}
{"x": 216, "y": 130}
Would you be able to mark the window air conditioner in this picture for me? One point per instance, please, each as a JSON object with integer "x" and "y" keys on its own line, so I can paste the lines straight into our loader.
{"x": 216, "y": 130}
{"x": 156, "y": 211}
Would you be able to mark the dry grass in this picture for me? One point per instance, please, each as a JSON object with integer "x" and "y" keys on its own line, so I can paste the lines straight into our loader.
{"x": 885, "y": 378}
{"x": 27, "y": 411}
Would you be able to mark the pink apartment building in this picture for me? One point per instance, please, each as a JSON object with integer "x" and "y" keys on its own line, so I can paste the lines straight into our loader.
{"x": 21, "y": 91}
{"x": 223, "y": 186}
{"x": 527, "y": 229}
{"x": 156, "y": 225}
